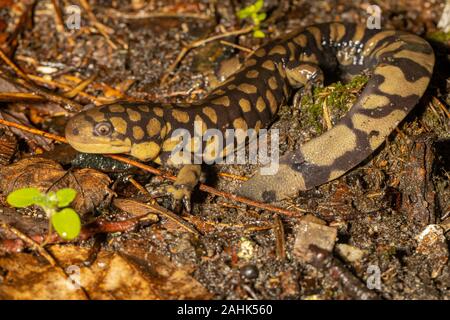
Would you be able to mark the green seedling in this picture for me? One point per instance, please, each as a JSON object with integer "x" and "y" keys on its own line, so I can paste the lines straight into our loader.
{"x": 65, "y": 220}
{"x": 253, "y": 12}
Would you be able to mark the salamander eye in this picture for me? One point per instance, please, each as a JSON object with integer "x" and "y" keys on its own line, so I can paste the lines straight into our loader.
{"x": 103, "y": 129}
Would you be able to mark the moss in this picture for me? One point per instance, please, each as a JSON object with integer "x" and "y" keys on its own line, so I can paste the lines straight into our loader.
{"x": 338, "y": 97}
{"x": 439, "y": 36}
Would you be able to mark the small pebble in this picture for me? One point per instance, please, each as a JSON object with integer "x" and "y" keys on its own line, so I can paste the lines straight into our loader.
{"x": 250, "y": 271}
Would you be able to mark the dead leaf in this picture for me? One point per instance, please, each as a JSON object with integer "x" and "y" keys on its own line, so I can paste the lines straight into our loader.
{"x": 111, "y": 276}
{"x": 47, "y": 175}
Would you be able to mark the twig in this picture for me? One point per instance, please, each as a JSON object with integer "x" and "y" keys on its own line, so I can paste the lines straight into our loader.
{"x": 80, "y": 87}
{"x": 199, "y": 43}
{"x": 20, "y": 97}
{"x": 30, "y": 242}
{"x": 441, "y": 106}
{"x": 104, "y": 30}
{"x": 58, "y": 16}
{"x": 28, "y": 83}
{"x": 280, "y": 239}
{"x": 152, "y": 15}
{"x": 236, "y": 46}
{"x": 154, "y": 207}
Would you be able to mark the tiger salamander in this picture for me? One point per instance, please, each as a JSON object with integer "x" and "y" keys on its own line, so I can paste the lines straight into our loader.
{"x": 400, "y": 65}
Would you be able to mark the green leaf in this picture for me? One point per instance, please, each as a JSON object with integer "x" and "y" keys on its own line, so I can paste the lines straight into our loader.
{"x": 67, "y": 223}
{"x": 24, "y": 197}
{"x": 258, "y": 34}
{"x": 244, "y": 13}
{"x": 250, "y": 10}
{"x": 65, "y": 196}
{"x": 258, "y": 5}
{"x": 262, "y": 16}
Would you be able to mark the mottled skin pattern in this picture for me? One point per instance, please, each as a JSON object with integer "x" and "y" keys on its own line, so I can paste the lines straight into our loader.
{"x": 400, "y": 63}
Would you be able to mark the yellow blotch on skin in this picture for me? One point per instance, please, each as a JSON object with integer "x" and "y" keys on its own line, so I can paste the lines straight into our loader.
{"x": 153, "y": 127}
{"x": 240, "y": 123}
{"x": 144, "y": 108}
{"x": 269, "y": 65}
{"x": 218, "y": 92}
{"x": 171, "y": 143}
{"x": 133, "y": 115}
{"x": 374, "y": 101}
{"x": 273, "y": 83}
{"x": 260, "y": 104}
{"x": 337, "y": 31}
{"x": 199, "y": 124}
{"x": 250, "y": 62}
{"x": 317, "y": 34}
{"x": 119, "y": 124}
{"x": 223, "y": 101}
{"x": 145, "y": 151}
{"x": 292, "y": 48}
{"x": 247, "y": 88}
{"x": 326, "y": 148}
{"x": 116, "y": 108}
{"x": 260, "y": 52}
{"x": 138, "y": 133}
{"x": 180, "y": 116}
{"x": 383, "y": 126}
{"x": 97, "y": 115}
{"x": 372, "y": 42}
{"x": 301, "y": 40}
{"x": 210, "y": 113}
{"x": 396, "y": 83}
{"x": 359, "y": 34}
{"x": 272, "y": 101}
{"x": 158, "y": 111}
{"x": 425, "y": 60}
{"x": 278, "y": 49}
{"x": 245, "y": 105}
{"x": 258, "y": 125}
{"x": 252, "y": 74}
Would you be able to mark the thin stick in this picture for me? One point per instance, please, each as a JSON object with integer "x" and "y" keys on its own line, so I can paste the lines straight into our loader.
{"x": 73, "y": 106}
{"x": 58, "y": 16}
{"x": 104, "y": 30}
{"x": 163, "y": 174}
{"x": 31, "y": 243}
{"x": 236, "y": 46}
{"x": 153, "y": 15}
{"x": 162, "y": 211}
{"x": 280, "y": 238}
{"x": 199, "y": 43}
{"x": 20, "y": 97}
{"x": 441, "y": 106}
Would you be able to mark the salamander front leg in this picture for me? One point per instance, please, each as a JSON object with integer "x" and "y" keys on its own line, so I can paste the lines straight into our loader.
{"x": 181, "y": 190}
{"x": 304, "y": 77}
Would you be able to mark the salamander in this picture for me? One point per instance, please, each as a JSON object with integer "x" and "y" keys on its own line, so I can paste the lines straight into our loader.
{"x": 400, "y": 65}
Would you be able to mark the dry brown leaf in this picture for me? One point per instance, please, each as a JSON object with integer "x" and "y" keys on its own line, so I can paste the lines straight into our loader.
{"x": 111, "y": 276}
{"x": 47, "y": 175}
{"x": 135, "y": 208}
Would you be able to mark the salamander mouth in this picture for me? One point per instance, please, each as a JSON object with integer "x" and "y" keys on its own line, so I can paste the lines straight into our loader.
{"x": 92, "y": 147}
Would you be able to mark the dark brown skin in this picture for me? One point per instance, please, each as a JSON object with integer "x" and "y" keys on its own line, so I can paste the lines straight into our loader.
{"x": 401, "y": 65}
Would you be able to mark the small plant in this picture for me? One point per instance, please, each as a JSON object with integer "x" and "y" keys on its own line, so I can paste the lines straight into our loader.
{"x": 253, "y": 12}
{"x": 65, "y": 221}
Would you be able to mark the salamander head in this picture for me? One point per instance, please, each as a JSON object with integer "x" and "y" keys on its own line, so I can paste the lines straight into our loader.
{"x": 136, "y": 129}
